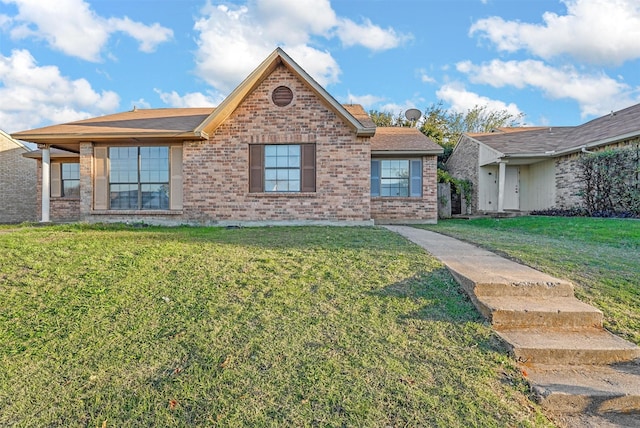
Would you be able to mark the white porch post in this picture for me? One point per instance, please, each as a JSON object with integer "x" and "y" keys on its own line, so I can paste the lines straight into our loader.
{"x": 502, "y": 172}
{"x": 46, "y": 181}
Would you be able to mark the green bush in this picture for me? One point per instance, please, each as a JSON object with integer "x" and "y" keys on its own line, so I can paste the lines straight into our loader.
{"x": 611, "y": 180}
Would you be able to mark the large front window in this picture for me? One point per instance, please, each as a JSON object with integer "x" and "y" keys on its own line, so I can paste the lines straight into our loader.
{"x": 396, "y": 177}
{"x": 139, "y": 178}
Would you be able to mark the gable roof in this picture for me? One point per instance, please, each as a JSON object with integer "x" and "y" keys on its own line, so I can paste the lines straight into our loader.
{"x": 185, "y": 123}
{"x": 278, "y": 57}
{"x": 403, "y": 140}
{"x": 556, "y": 141}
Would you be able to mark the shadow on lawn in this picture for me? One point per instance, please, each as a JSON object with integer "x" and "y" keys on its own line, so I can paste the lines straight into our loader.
{"x": 443, "y": 298}
{"x": 443, "y": 302}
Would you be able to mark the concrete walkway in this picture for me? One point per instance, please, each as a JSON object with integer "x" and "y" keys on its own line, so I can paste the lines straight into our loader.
{"x": 574, "y": 366}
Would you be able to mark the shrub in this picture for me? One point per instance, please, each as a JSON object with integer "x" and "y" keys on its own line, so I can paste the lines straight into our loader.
{"x": 611, "y": 180}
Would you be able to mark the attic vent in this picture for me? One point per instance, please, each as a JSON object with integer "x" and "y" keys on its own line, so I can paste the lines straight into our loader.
{"x": 282, "y": 96}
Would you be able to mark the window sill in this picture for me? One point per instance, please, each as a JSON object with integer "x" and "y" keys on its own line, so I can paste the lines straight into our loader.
{"x": 62, "y": 198}
{"x": 136, "y": 212}
{"x": 283, "y": 195}
{"x": 395, "y": 198}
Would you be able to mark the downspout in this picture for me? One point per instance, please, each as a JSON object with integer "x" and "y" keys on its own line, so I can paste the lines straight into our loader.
{"x": 46, "y": 181}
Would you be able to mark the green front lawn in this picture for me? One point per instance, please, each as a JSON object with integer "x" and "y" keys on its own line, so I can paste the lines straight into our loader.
{"x": 600, "y": 256}
{"x": 119, "y": 326}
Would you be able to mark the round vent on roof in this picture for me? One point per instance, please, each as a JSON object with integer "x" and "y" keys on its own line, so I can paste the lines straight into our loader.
{"x": 282, "y": 96}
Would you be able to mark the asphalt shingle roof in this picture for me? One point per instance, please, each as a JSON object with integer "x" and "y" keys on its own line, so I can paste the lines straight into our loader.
{"x": 402, "y": 139}
{"x": 141, "y": 121}
{"x": 511, "y": 141}
{"x": 525, "y": 142}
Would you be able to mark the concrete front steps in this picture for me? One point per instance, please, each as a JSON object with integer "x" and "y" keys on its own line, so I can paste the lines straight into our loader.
{"x": 574, "y": 366}
{"x": 572, "y": 363}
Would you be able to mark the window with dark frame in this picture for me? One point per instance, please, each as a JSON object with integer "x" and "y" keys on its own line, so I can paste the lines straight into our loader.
{"x": 286, "y": 168}
{"x": 70, "y": 177}
{"x": 139, "y": 178}
{"x": 396, "y": 177}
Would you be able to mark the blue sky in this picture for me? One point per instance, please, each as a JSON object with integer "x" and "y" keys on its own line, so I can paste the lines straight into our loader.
{"x": 559, "y": 62}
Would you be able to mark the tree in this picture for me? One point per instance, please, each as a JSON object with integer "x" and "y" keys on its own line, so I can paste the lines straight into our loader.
{"x": 445, "y": 127}
{"x": 385, "y": 118}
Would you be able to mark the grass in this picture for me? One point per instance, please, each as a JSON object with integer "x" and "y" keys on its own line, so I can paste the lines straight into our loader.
{"x": 118, "y": 326}
{"x": 600, "y": 256}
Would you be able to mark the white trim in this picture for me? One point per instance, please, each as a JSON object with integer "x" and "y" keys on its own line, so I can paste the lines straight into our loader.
{"x": 502, "y": 175}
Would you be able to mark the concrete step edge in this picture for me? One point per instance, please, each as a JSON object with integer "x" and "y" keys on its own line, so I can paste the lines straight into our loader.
{"x": 556, "y": 288}
{"x": 586, "y": 389}
{"x": 567, "y": 346}
{"x": 557, "y": 312}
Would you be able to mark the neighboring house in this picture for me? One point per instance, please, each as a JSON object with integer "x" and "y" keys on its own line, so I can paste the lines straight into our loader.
{"x": 17, "y": 182}
{"x": 525, "y": 169}
{"x": 278, "y": 150}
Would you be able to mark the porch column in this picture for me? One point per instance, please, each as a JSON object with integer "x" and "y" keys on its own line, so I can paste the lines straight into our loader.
{"x": 502, "y": 172}
{"x": 46, "y": 181}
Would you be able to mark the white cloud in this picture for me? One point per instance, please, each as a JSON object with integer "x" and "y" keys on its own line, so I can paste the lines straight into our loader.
{"x": 149, "y": 36}
{"x": 461, "y": 100}
{"x": 397, "y": 109}
{"x": 32, "y": 95}
{"x": 140, "y": 103}
{"x": 368, "y": 35}
{"x": 292, "y": 21}
{"x": 593, "y": 31}
{"x": 424, "y": 77}
{"x": 192, "y": 99}
{"x": 72, "y": 27}
{"x": 596, "y": 94}
{"x": 367, "y": 101}
{"x": 233, "y": 39}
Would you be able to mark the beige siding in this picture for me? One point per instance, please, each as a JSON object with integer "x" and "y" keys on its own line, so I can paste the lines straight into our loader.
{"x": 487, "y": 155}
{"x": 538, "y": 189}
{"x": 488, "y": 188}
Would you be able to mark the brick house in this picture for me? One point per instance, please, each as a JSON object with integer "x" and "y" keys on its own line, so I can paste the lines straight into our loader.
{"x": 278, "y": 150}
{"x": 17, "y": 182}
{"x": 526, "y": 169}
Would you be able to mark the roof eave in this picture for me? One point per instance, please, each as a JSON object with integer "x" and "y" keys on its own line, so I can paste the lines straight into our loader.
{"x": 597, "y": 143}
{"x": 37, "y": 154}
{"x": 365, "y": 132}
{"x": 109, "y": 136}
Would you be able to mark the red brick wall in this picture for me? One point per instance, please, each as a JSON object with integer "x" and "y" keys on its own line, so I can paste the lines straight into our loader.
{"x": 411, "y": 210}
{"x": 17, "y": 184}
{"x": 216, "y": 173}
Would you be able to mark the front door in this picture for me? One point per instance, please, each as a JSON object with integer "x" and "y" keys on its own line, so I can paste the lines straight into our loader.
{"x": 512, "y": 188}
